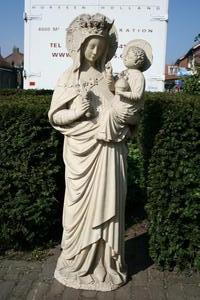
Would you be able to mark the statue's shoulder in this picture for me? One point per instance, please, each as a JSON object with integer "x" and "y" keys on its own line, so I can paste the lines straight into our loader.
{"x": 64, "y": 78}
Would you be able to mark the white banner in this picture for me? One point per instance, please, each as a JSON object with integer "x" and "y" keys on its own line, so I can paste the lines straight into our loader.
{"x": 46, "y": 56}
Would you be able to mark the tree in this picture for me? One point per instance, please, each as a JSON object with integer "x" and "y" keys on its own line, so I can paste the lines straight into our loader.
{"x": 192, "y": 84}
{"x": 197, "y": 38}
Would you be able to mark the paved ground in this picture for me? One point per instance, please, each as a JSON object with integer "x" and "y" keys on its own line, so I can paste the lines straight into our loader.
{"x": 33, "y": 280}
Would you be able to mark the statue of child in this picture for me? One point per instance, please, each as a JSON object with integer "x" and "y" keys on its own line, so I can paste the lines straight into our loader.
{"x": 137, "y": 58}
{"x": 129, "y": 90}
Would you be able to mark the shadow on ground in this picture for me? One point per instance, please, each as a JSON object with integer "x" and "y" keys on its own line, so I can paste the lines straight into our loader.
{"x": 137, "y": 255}
{"x": 137, "y": 244}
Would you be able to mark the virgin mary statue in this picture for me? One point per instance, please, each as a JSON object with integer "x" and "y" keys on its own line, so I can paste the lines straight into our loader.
{"x": 92, "y": 245}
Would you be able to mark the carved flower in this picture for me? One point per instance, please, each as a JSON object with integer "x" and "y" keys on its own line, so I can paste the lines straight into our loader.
{"x": 96, "y": 24}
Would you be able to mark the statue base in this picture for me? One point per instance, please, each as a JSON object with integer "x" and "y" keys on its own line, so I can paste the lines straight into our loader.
{"x": 77, "y": 283}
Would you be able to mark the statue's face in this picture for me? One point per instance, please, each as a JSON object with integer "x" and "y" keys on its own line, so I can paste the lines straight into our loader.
{"x": 94, "y": 48}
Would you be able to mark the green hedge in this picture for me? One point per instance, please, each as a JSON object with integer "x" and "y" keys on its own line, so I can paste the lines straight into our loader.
{"x": 172, "y": 156}
{"x": 10, "y": 94}
{"x": 31, "y": 172}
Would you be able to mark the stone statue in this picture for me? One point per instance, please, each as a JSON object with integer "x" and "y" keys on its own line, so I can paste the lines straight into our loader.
{"x": 92, "y": 255}
{"x": 129, "y": 89}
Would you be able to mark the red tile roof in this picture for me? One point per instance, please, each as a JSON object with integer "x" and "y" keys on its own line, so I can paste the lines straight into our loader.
{"x": 16, "y": 58}
{"x": 4, "y": 63}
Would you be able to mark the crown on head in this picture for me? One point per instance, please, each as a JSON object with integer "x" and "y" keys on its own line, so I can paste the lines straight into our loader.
{"x": 95, "y": 24}
{"x": 84, "y": 26}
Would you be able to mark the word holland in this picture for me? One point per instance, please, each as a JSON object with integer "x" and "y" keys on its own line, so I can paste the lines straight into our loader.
{"x": 129, "y": 7}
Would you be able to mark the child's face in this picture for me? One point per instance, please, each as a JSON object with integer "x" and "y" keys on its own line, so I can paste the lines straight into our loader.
{"x": 130, "y": 60}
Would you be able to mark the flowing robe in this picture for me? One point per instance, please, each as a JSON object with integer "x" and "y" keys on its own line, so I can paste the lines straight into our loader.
{"x": 95, "y": 174}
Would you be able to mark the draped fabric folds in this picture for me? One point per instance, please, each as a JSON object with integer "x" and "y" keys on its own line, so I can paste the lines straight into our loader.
{"x": 93, "y": 214}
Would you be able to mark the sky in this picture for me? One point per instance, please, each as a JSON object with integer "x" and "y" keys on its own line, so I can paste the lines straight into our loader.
{"x": 183, "y": 26}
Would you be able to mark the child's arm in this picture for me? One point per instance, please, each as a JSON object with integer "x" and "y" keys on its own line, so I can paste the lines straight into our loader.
{"x": 127, "y": 95}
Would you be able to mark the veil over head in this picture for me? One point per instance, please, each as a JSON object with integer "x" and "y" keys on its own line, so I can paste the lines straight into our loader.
{"x": 85, "y": 26}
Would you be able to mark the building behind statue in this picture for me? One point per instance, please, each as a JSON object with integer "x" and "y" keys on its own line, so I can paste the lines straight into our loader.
{"x": 186, "y": 65}
{"x": 11, "y": 69}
